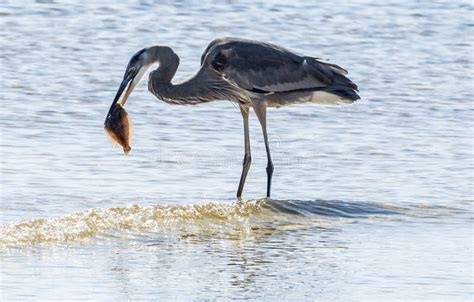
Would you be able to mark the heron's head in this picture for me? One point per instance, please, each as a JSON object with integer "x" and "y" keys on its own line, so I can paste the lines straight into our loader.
{"x": 136, "y": 70}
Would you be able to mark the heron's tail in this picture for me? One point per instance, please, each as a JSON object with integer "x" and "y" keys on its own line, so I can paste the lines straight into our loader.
{"x": 341, "y": 85}
{"x": 344, "y": 91}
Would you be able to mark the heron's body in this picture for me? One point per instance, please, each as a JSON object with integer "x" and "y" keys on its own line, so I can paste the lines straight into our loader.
{"x": 250, "y": 73}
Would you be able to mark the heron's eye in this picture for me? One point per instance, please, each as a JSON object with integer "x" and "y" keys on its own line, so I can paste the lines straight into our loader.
{"x": 133, "y": 69}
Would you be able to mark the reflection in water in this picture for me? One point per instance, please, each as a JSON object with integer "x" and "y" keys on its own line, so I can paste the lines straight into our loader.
{"x": 238, "y": 265}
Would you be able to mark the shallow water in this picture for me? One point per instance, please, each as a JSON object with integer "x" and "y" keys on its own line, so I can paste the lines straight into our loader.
{"x": 370, "y": 201}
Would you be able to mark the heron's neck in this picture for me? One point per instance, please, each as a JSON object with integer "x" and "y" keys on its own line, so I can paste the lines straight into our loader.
{"x": 159, "y": 82}
{"x": 168, "y": 65}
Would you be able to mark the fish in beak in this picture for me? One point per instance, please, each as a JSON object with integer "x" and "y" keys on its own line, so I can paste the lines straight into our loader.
{"x": 117, "y": 125}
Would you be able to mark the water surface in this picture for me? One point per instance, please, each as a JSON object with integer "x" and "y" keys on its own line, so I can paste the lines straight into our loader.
{"x": 370, "y": 201}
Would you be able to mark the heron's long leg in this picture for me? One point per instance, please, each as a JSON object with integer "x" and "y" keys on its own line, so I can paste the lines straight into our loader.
{"x": 247, "y": 157}
{"x": 260, "y": 108}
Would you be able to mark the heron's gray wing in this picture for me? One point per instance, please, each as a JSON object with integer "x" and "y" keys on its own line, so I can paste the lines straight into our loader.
{"x": 261, "y": 67}
{"x": 209, "y": 47}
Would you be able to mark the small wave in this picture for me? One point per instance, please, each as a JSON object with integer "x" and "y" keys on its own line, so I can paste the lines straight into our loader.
{"x": 335, "y": 208}
{"x": 230, "y": 219}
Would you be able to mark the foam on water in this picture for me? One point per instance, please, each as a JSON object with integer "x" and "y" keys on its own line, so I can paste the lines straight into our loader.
{"x": 227, "y": 219}
{"x": 136, "y": 218}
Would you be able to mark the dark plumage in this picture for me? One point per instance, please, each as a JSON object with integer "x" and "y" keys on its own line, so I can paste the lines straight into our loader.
{"x": 275, "y": 69}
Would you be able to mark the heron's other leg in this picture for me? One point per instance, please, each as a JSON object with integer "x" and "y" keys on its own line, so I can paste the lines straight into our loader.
{"x": 247, "y": 157}
{"x": 260, "y": 108}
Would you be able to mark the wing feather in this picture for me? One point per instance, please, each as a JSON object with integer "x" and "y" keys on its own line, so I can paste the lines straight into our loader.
{"x": 267, "y": 68}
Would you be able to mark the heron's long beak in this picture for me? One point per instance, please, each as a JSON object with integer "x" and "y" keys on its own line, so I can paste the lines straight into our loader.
{"x": 124, "y": 90}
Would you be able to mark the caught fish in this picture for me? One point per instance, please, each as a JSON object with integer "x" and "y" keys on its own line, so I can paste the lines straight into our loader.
{"x": 118, "y": 127}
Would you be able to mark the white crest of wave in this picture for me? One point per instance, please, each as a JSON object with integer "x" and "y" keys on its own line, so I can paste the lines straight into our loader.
{"x": 153, "y": 218}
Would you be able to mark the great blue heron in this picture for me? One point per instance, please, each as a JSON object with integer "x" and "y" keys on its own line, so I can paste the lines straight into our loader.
{"x": 249, "y": 73}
